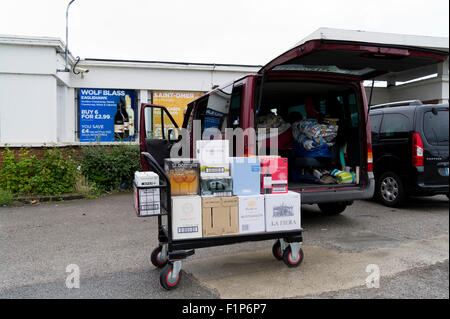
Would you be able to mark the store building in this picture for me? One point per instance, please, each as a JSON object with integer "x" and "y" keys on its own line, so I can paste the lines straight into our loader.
{"x": 40, "y": 105}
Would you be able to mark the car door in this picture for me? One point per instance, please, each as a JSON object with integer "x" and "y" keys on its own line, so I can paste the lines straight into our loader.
{"x": 394, "y": 139}
{"x": 158, "y": 133}
{"x": 433, "y": 123}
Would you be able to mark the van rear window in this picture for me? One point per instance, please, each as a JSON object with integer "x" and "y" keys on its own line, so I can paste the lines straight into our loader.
{"x": 435, "y": 127}
{"x": 322, "y": 69}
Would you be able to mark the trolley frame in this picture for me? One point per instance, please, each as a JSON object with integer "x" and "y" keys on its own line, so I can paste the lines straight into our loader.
{"x": 176, "y": 250}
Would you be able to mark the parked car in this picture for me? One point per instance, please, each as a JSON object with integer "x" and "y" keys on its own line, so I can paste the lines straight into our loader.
{"x": 326, "y": 77}
{"x": 410, "y": 150}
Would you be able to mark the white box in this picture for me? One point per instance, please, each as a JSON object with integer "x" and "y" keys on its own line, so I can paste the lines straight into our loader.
{"x": 186, "y": 217}
{"x": 147, "y": 201}
{"x": 251, "y": 214}
{"x": 214, "y": 158}
{"x": 282, "y": 211}
{"x": 146, "y": 179}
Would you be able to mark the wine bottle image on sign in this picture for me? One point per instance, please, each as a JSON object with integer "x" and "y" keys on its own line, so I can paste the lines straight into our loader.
{"x": 126, "y": 120}
{"x": 130, "y": 113}
{"x": 118, "y": 124}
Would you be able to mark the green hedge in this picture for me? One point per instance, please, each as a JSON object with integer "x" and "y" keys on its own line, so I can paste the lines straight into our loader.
{"x": 57, "y": 172}
{"x": 111, "y": 168}
{"x": 53, "y": 174}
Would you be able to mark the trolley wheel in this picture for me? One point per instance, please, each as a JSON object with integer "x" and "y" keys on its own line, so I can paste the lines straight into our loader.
{"x": 276, "y": 250}
{"x": 289, "y": 261}
{"x": 156, "y": 258}
{"x": 167, "y": 282}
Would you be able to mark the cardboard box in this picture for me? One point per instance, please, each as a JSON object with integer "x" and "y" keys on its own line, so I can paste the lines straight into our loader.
{"x": 274, "y": 175}
{"x": 216, "y": 186}
{"x": 220, "y": 216}
{"x": 215, "y": 170}
{"x": 186, "y": 217}
{"x": 213, "y": 156}
{"x": 246, "y": 174}
{"x": 146, "y": 201}
{"x": 251, "y": 214}
{"x": 184, "y": 175}
{"x": 146, "y": 179}
{"x": 282, "y": 211}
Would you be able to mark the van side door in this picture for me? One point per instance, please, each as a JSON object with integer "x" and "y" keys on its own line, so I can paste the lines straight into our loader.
{"x": 158, "y": 132}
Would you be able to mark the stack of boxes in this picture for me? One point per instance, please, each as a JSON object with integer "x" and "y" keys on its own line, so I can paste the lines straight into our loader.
{"x": 215, "y": 195}
{"x": 184, "y": 176}
{"x": 219, "y": 206}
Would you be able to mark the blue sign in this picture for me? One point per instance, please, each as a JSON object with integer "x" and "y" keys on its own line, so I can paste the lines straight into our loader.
{"x": 107, "y": 115}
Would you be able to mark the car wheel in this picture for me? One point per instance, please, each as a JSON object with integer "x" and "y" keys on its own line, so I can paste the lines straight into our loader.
{"x": 390, "y": 190}
{"x": 332, "y": 208}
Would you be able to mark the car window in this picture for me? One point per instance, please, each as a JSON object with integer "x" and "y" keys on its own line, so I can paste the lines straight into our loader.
{"x": 395, "y": 125}
{"x": 435, "y": 127}
{"x": 375, "y": 121}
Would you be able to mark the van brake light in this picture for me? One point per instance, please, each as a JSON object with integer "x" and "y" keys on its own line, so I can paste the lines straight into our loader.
{"x": 369, "y": 158}
{"x": 417, "y": 150}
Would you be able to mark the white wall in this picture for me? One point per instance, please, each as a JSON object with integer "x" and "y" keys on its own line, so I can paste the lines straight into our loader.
{"x": 150, "y": 78}
{"x": 27, "y": 59}
{"x": 27, "y": 108}
{"x": 37, "y": 103}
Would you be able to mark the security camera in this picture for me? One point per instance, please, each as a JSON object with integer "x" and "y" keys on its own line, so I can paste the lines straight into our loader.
{"x": 77, "y": 70}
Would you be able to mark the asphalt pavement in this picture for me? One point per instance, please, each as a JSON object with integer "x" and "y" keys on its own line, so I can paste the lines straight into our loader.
{"x": 111, "y": 247}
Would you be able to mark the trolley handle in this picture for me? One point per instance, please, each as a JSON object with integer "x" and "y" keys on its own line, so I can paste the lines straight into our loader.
{"x": 152, "y": 162}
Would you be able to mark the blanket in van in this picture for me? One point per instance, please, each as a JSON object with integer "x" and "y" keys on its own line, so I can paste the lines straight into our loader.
{"x": 311, "y": 134}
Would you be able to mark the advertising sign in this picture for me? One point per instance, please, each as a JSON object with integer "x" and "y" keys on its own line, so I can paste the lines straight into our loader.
{"x": 175, "y": 102}
{"x": 107, "y": 115}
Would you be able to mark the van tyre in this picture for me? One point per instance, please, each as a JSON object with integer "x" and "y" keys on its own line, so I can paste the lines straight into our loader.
{"x": 389, "y": 190}
{"x": 332, "y": 208}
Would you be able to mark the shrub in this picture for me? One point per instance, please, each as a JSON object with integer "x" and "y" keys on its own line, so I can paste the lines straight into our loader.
{"x": 6, "y": 197}
{"x": 110, "y": 167}
{"x": 53, "y": 174}
{"x": 16, "y": 171}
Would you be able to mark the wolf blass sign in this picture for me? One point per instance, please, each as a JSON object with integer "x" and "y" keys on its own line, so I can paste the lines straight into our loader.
{"x": 230, "y": 308}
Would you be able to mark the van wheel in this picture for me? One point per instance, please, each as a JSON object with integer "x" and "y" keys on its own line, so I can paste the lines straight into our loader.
{"x": 390, "y": 190}
{"x": 332, "y": 208}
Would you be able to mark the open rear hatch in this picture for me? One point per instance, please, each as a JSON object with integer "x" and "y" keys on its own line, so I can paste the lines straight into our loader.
{"x": 360, "y": 59}
{"x": 350, "y": 60}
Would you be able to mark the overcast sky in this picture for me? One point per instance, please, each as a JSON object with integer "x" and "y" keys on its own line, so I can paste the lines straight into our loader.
{"x": 209, "y": 31}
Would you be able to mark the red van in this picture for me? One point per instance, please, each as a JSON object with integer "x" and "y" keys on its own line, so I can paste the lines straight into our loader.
{"x": 319, "y": 80}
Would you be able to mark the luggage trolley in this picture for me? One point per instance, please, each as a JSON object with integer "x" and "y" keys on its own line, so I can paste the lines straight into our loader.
{"x": 170, "y": 253}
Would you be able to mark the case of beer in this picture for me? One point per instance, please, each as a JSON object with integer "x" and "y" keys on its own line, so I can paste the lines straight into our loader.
{"x": 184, "y": 176}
